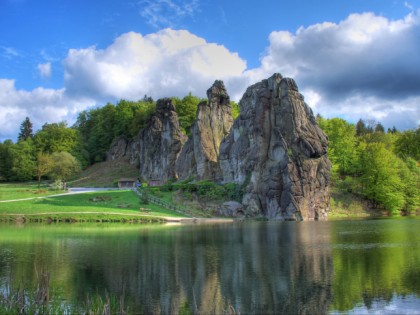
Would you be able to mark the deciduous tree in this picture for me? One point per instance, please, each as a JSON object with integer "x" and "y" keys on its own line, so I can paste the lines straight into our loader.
{"x": 63, "y": 165}
{"x": 43, "y": 166}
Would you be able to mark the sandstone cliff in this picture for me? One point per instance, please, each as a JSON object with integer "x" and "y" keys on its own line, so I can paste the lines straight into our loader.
{"x": 199, "y": 157}
{"x": 274, "y": 150}
{"x": 120, "y": 149}
{"x": 159, "y": 144}
{"x": 278, "y": 153}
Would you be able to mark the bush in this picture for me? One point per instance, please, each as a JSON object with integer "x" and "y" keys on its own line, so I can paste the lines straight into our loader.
{"x": 144, "y": 198}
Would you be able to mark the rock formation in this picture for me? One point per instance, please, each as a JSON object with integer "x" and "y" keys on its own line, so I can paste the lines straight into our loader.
{"x": 199, "y": 157}
{"x": 274, "y": 150}
{"x": 159, "y": 143}
{"x": 277, "y": 152}
{"x": 120, "y": 146}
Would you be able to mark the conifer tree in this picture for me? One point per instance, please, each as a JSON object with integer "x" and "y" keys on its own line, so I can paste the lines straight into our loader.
{"x": 26, "y": 131}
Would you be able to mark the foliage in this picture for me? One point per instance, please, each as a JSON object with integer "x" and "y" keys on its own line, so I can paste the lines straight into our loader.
{"x": 22, "y": 155}
{"x": 144, "y": 198}
{"x": 186, "y": 109}
{"x": 207, "y": 189}
{"x": 26, "y": 130}
{"x": 56, "y": 137}
{"x": 6, "y": 160}
{"x": 407, "y": 144}
{"x": 64, "y": 165}
{"x": 376, "y": 165}
{"x": 100, "y": 126}
{"x": 235, "y": 109}
{"x": 23, "y": 299}
{"x": 342, "y": 144}
{"x": 43, "y": 165}
{"x": 380, "y": 176}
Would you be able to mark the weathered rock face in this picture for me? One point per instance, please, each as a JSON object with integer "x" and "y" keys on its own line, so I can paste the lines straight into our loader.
{"x": 277, "y": 151}
{"x": 120, "y": 148}
{"x": 199, "y": 157}
{"x": 160, "y": 143}
{"x": 231, "y": 209}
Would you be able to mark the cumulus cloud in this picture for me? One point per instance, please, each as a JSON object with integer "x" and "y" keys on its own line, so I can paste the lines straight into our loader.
{"x": 41, "y": 105}
{"x": 44, "y": 70}
{"x": 366, "y": 64}
{"x": 166, "y": 63}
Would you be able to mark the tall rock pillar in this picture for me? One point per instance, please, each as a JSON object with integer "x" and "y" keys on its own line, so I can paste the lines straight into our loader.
{"x": 160, "y": 143}
{"x": 277, "y": 152}
{"x": 199, "y": 157}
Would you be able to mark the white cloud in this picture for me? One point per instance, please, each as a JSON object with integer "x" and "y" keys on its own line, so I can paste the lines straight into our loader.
{"x": 166, "y": 63}
{"x": 41, "y": 105}
{"x": 364, "y": 59}
{"x": 44, "y": 70}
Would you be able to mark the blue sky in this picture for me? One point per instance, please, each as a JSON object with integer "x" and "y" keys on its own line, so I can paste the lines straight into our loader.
{"x": 350, "y": 58}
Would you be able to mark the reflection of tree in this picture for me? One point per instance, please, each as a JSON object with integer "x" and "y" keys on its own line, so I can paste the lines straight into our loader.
{"x": 373, "y": 262}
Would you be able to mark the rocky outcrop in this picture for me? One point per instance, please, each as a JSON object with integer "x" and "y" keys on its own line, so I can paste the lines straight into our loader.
{"x": 277, "y": 153}
{"x": 274, "y": 150}
{"x": 160, "y": 143}
{"x": 120, "y": 148}
{"x": 199, "y": 157}
{"x": 231, "y": 209}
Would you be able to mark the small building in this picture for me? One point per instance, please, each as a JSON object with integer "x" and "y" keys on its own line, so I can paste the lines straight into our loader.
{"x": 127, "y": 182}
{"x": 153, "y": 182}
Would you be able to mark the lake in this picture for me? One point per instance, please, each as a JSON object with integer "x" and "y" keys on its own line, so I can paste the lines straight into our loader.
{"x": 336, "y": 267}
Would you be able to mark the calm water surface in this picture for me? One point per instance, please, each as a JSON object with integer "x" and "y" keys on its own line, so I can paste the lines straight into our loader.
{"x": 369, "y": 266}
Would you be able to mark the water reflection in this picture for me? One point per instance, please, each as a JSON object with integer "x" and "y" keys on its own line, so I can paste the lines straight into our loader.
{"x": 376, "y": 262}
{"x": 282, "y": 268}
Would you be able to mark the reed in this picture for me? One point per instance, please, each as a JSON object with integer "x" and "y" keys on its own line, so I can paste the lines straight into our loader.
{"x": 22, "y": 300}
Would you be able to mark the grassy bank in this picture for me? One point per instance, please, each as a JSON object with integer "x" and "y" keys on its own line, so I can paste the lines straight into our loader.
{"x": 104, "y": 174}
{"x": 12, "y": 191}
{"x": 344, "y": 204}
{"x": 104, "y": 206}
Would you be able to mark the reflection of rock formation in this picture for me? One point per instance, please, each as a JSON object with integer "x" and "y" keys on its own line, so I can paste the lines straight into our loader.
{"x": 257, "y": 268}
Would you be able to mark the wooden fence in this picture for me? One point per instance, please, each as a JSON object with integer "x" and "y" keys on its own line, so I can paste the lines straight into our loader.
{"x": 163, "y": 203}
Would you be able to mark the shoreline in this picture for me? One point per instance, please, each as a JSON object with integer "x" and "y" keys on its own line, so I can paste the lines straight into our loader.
{"x": 104, "y": 217}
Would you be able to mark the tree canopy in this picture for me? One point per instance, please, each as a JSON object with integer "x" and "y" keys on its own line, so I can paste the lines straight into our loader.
{"x": 382, "y": 167}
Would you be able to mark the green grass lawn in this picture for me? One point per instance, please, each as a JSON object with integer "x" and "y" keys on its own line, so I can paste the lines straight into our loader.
{"x": 88, "y": 206}
{"x": 12, "y": 191}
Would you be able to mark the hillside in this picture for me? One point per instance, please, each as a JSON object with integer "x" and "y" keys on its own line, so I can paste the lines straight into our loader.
{"x": 104, "y": 174}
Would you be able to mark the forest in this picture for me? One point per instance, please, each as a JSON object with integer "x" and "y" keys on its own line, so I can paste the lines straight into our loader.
{"x": 381, "y": 166}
